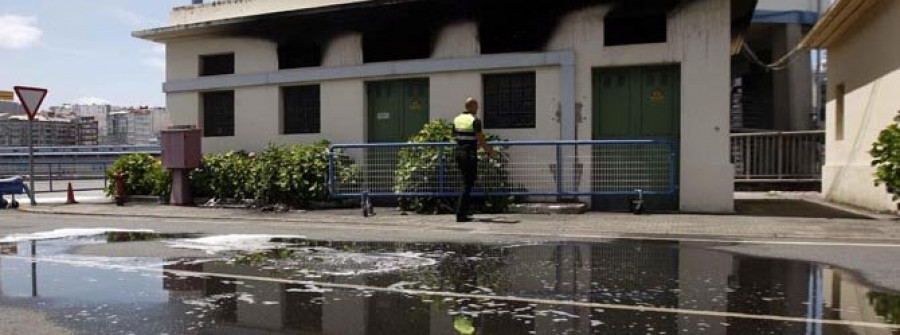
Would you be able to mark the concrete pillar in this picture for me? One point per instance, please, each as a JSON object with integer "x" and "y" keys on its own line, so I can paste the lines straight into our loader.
{"x": 792, "y": 90}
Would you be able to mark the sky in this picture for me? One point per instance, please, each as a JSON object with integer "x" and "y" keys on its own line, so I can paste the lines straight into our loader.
{"x": 82, "y": 50}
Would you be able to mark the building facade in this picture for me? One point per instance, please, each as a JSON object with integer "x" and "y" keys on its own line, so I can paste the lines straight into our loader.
{"x": 46, "y": 132}
{"x": 100, "y": 113}
{"x": 11, "y": 108}
{"x": 136, "y": 126}
{"x": 88, "y": 131}
{"x": 863, "y": 78}
{"x": 256, "y": 72}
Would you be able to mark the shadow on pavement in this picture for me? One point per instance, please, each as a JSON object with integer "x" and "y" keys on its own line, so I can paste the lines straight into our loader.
{"x": 791, "y": 208}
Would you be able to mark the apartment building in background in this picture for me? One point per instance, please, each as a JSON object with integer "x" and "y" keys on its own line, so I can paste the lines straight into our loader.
{"x": 136, "y": 126}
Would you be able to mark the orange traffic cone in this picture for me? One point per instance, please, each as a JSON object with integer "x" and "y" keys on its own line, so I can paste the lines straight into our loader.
{"x": 70, "y": 197}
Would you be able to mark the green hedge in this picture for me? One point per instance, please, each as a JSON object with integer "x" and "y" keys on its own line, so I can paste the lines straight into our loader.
{"x": 144, "y": 175}
{"x": 418, "y": 169}
{"x": 293, "y": 175}
{"x": 223, "y": 176}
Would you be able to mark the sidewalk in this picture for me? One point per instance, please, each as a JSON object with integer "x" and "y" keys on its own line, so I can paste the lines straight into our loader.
{"x": 586, "y": 226}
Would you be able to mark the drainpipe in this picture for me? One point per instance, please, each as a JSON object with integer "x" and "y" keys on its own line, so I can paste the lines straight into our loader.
{"x": 568, "y": 123}
{"x": 820, "y": 92}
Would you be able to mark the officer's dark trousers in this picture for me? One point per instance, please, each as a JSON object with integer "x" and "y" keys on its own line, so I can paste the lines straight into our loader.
{"x": 467, "y": 161}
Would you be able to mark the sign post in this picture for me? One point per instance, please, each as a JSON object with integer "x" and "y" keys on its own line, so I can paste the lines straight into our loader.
{"x": 31, "y": 99}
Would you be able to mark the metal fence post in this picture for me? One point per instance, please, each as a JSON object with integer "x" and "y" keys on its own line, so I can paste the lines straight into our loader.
{"x": 748, "y": 165}
{"x": 331, "y": 171}
{"x": 559, "y": 169}
{"x": 779, "y": 143}
{"x": 50, "y": 175}
{"x": 442, "y": 170}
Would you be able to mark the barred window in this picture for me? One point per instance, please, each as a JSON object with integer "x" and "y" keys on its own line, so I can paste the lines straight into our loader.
{"x": 302, "y": 109}
{"x": 218, "y": 114}
{"x": 509, "y": 100}
{"x": 212, "y": 65}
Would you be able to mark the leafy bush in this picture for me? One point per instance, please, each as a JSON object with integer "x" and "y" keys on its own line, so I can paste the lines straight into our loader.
{"x": 293, "y": 175}
{"x": 223, "y": 176}
{"x": 886, "y": 159}
{"x": 418, "y": 168}
{"x": 144, "y": 175}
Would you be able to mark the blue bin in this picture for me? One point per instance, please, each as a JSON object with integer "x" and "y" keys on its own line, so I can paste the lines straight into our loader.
{"x": 14, "y": 185}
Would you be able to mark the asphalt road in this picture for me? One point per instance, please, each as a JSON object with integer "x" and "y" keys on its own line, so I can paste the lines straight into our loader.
{"x": 878, "y": 264}
{"x": 875, "y": 263}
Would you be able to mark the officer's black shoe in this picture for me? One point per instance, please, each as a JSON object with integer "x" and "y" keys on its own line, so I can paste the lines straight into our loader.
{"x": 463, "y": 219}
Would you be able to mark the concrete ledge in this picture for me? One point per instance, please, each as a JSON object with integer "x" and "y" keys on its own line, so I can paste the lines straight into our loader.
{"x": 550, "y": 208}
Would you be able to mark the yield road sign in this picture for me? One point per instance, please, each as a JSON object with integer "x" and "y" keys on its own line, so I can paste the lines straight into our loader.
{"x": 31, "y": 98}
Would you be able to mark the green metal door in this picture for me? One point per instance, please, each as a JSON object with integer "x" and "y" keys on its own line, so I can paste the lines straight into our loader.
{"x": 397, "y": 109}
{"x": 633, "y": 103}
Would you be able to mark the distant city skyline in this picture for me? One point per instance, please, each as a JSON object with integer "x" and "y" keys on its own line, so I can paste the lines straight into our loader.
{"x": 83, "y": 52}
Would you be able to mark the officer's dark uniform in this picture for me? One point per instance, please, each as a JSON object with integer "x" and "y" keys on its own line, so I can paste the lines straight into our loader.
{"x": 466, "y": 127}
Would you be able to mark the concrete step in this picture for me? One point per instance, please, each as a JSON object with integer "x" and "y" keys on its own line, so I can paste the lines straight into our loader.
{"x": 550, "y": 208}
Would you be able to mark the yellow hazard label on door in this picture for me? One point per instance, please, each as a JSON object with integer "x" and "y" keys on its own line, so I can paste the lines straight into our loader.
{"x": 657, "y": 96}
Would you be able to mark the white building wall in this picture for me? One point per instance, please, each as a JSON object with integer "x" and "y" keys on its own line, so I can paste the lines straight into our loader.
{"x": 239, "y": 8}
{"x": 343, "y": 50}
{"x": 250, "y": 55}
{"x": 456, "y": 40}
{"x": 698, "y": 40}
{"x": 699, "y": 36}
{"x": 793, "y": 5}
{"x": 871, "y": 80}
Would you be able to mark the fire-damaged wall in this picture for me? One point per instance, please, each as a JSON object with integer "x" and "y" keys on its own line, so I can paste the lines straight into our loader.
{"x": 458, "y": 43}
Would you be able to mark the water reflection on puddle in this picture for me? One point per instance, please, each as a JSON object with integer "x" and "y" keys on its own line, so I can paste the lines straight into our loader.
{"x": 415, "y": 288}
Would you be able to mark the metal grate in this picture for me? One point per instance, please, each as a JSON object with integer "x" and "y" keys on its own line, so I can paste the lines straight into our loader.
{"x": 509, "y": 100}
{"x": 563, "y": 168}
{"x": 218, "y": 114}
{"x": 302, "y": 109}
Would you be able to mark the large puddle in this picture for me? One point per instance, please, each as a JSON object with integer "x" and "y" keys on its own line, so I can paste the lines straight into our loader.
{"x": 289, "y": 285}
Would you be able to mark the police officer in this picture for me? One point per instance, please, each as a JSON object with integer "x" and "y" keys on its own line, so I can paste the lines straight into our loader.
{"x": 467, "y": 131}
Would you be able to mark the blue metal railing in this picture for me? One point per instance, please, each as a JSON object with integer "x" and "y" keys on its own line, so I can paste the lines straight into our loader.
{"x": 524, "y": 168}
{"x": 53, "y": 177}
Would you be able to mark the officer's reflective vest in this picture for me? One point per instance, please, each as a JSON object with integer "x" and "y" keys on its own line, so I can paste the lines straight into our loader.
{"x": 464, "y": 124}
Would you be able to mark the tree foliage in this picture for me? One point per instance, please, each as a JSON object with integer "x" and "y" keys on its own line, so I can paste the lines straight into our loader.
{"x": 886, "y": 159}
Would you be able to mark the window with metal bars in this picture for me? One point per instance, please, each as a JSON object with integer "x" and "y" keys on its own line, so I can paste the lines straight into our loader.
{"x": 302, "y": 109}
{"x": 213, "y": 65}
{"x": 218, "y": 114}
{"x": 509, "y": 100}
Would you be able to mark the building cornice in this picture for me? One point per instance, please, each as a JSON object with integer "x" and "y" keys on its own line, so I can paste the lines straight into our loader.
{"x": 839, "y": 19}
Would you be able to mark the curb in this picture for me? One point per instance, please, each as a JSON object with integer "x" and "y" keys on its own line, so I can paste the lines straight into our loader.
{"x": 185, "y": 217}
{"x": 792, "y": 237}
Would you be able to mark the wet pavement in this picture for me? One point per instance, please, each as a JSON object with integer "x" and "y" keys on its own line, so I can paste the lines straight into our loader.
{"x": 259, "y": 284}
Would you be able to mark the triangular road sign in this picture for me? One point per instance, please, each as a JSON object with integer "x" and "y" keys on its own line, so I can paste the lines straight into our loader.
{"x": 31, "y": 98}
